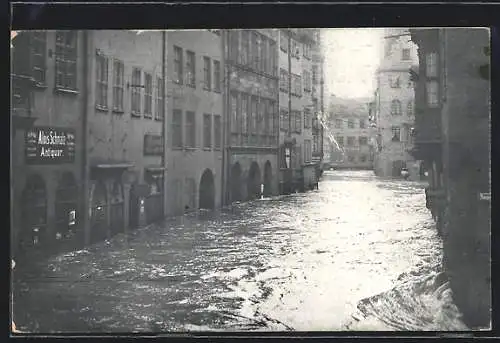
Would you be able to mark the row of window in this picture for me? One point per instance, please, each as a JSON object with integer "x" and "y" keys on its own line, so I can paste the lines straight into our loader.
{"x": 395, "y": 82}
{"x": 184, "y": 130}
{"x": 252, "y": 114}
{"x": 143, "y": 89}
{"x": 186, "y": 73}
{"x": 397, "y": 110}
{"x": 401, "y": 134}
{"x": 351, "y": 140}
{"x": 339, "y": 123}
{"x": 253, "y": 50}
{"x": 296, "y": 46}
{"x": 295, "y": 122}
{"x": 65, "y": 58}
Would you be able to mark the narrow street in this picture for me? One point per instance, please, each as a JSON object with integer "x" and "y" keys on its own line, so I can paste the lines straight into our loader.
{"x": 360, "y": 253}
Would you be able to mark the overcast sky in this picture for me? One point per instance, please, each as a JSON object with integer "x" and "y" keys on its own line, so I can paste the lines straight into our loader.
{"x": 351, "y": 59}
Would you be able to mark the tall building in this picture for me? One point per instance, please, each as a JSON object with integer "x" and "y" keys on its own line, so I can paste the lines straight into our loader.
{"x": 349, "y": 127}
{"x": 195, "y": 120}
{"x": 300, "y": 95}
{"x": 452, "y": 137}
{"x": 251, "y": 90}
{"x": 395, "y": 106}
{"x": 89, "y": 162}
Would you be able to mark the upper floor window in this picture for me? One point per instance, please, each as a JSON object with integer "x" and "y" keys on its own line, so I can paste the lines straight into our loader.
{"x": 298, "y": 120}
{"x": 284, "y": 121}
{"x": 350, "y": 141}
{"x": 245, "y": 48}
{"x": 66, "y": 54}
{"x": 159, "y": 99}
{"x": 431, "y": 64}
{"x": 177, "y": 77}
{"x": 190, "y": 69}
{"x": 409, "y": 108}
{"x": 283, "y": 80}
{"x": 272, "y": 57}
{"x": 432, "y": 90}
{"x": 234, "y": 113}
{"x": 148, "y": 95}
{"x": 350, "y": 124}
{"x": 363, "y": 140}
{"x": 177, "y": 129}
{"x": 217, "y": 132}
{"x": 362, "y": 124}
{"x": 283, "y": 41}
{"x": 207, "y": 73}
{"x": 405, "y": 55}
{"x": 297, "y": 85}
{"x": 306, "y": 75}
{"x": 396, "y": 134}
{"x": 190, "y": 130}
{"x": 101, "y": 81}
{"x": 217, "y": 77}
{"x": 263, "y": 54}
{"x": 396, "y": 107}
{"x": 338, "y": 123}
{"x": 136, "y": 92}
{"x": 295, "y": 49}
{"x": 207, "y": 131}
{"x": 395, "y": 81}
{"x": 307, "y": 118}
{"x": 118, "y": 85}
{"x": 39, "y": 50}
{"x": 307, "y": 51}
{"x": 315, "y": 75}
{"x": 340, "y": 141}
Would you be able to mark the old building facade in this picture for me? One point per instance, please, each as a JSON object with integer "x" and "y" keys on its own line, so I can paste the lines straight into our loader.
{"x": 350, "y": 128}
{"x": 77, "y": 166}
{"x": 395, "y": 106}
{"x": 452, "y": 136}
{"x": 251, "y": 89}
{"x": 300, "y": 95}
{"x": 195, "y": 120}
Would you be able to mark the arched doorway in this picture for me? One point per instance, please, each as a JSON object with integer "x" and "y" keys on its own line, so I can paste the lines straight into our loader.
{"x": 253, "y": 181}
{"x": 268, "y": 179}
{"x": 99, "y": 213}
{"x": 66, "y": 205}
{"x": 34, "y": 214}
{"x": 236, "y": 182}
{"x": 207, "y": 190}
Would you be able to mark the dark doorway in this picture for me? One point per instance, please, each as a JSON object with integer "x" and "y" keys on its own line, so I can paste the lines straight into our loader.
{"x": 253, "y": 181}
{"x": 268, "y": 179}
{"x": 99, "y": 214}
{"x": 396, "y": 168}
{"x": 207, "y": 190}
{"x": 117, "y": 224}
{"x": 34, "y": 214}
{"x": 66, "y": 205}
{"x": 236, "y": 182}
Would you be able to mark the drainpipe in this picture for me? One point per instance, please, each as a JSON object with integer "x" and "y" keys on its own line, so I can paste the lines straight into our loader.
{"x": 85, "y": 207}
{"x": 225, "y": 110}
{"x": 164, "y": 114}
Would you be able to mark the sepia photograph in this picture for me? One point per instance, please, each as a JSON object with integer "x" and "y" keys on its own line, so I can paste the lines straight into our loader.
{"x": 250, "y": 180}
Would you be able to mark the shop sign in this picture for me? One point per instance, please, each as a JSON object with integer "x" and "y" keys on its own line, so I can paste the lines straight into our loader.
{"x": 48, "y": 145}
{"x": 153, "y": 145}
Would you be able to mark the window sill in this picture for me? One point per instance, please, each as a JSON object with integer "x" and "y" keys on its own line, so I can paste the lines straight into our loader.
{"x": 117, "y": 111}
{"x": 207, "y": 89}
{"x": 207, "y": 149}
{"x": 191, "y": 86}
{"x": 218, "y": 91}
{"x": 189, "y": 149}
{"x": 179, "y": 148}
{"x": 159, "y": 119}
{"x": 40, "y": 85}
{"x": 148, "y": 116}
{"x": 135, "y": 115}
{"x": 101, "y": 108}
{"x": 217, "y": 149}
{"x": 66, "y": 91}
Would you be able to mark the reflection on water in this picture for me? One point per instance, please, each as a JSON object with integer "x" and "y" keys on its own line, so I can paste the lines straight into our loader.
{"x": 359, "y": 253}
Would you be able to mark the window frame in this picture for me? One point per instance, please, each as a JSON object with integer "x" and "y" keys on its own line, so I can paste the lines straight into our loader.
{"x": 190, "y": 141}
{"x": 135, "y": 92}
{"x": 217, "y": 76}
{"x": 160, "y": 104}
{"x": 217, "y": 118}
{"x": 406, "y": 54}
{"x": 396, "y": 138}
{"x": 39, "y": 57}
{"x": 148, "y": 95}
{"x": 207, "y": 131}
{"x": 102, "y": 82}
{"x": 66, "y": 58}
{"x": 118, "y": 87}
{"x": 178, "y": 68}
{"x": 190, "y": 69}
{"x": 207, "y": 73}
{"x": 396, "y": 107}
{"x": 177, "y": 129}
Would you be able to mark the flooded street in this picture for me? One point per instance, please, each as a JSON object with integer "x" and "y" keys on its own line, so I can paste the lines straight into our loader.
{"x": 360, "y": 253}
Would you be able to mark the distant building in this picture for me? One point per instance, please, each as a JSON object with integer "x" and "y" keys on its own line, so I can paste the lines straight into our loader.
{"x": 349, "y": 132}
{"x": 395, "y": 106}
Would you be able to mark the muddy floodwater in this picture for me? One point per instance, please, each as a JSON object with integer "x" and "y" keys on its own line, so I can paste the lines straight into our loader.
{"x": 360, "y": 253}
